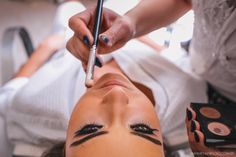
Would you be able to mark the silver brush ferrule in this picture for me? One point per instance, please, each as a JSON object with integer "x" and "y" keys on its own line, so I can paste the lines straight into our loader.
{"x": 91, "y": 64}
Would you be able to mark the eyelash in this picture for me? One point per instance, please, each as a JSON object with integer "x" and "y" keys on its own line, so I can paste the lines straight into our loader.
{"x": 138, "y": 127}
{"x": 88, "y": 129}
{"x": 143, "y": 128}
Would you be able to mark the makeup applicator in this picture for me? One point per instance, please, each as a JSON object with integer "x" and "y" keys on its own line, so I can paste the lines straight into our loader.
{"x": 92, "y": 54}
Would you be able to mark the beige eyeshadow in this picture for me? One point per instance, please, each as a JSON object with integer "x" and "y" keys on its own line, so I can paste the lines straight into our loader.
{"x": 210, "y": 112}
{"x": 218, "y": 129}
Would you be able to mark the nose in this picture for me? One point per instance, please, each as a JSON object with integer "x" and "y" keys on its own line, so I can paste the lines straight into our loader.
{"x": 115, "y": 102}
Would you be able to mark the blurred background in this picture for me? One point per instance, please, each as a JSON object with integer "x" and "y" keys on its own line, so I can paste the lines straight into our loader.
{"x": 35, "y": 15}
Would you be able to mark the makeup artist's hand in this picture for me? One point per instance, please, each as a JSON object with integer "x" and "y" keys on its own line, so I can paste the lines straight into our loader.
{"x": 196, "y": 140}
{"x": 115, "y": 32}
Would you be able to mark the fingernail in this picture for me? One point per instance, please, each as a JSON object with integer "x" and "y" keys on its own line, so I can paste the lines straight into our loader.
{"x": 98, "y": 62}
{"x": 86, "y": 41}
{"x": 193, "y": 126}
{"x": 104, "y": 39}
{"x": 189, "y": 114}
{"x": 196, "y": 137}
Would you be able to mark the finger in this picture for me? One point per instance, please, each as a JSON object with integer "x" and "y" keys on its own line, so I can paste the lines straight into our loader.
{"x": 200, "y": 145}
{"x": 192, "y": 142}
{"x": 70, "y": 47}
{"x": 191, "y": 138}
{"x": 81, "y": 50}
{"x": 120, "y": 30}
{"x": 108, "y": 19}
{"x": 197, "y": 148}
{"x": 78, "y": 49}
{"x": 190, "y": 114}
{"x": 80, "y": 25}
{"x": 194, "y": 125}
{"x": 98, "y": 62}
{"x": 200, "y": 149}
{"x": 199, "y": 137}
{"x": 104, "y": 49}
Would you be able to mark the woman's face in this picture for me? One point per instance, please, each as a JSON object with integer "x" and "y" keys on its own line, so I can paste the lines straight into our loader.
{"x": 114, "y": 118}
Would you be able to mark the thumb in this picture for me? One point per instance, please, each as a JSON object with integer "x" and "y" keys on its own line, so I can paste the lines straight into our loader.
{"x": 120, "y": 31}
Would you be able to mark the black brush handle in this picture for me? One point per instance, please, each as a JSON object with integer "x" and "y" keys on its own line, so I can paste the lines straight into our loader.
{"x": 98, "y": 20}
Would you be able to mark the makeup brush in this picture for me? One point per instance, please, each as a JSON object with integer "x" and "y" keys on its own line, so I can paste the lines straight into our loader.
{"x": 92, "y": 53}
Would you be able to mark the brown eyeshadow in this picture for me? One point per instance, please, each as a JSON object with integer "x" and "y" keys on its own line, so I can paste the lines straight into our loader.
{"x": 210, "y": 112}
{"x": 218, "y": 129}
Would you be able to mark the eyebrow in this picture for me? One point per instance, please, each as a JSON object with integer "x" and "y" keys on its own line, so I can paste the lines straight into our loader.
{"x": 153, "y": 140}
{"x": 89, "y": 137}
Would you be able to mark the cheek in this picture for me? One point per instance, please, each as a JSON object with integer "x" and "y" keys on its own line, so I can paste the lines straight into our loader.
{"x": 141, "y": 102}
{"x": 85, "y": 114}
{"x": 142, "y": 113}
{"x": 142, "y": 108}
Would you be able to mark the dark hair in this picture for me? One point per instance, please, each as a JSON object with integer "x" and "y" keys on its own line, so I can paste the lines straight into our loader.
{"x": 57, "y": 150}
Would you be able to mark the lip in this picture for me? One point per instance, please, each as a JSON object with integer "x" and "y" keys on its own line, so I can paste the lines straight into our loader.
{"x": 111, "y": 80}
{"x": 113, "y": 83}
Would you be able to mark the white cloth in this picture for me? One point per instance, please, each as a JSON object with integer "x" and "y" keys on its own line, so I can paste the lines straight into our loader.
{"x": 213, "y": 48}
{"x": 38, "y": 116}
{"x": 7, "y": 92}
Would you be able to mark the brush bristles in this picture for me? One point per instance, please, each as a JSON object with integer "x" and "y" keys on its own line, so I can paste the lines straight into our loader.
{"x": 89, "y": 83}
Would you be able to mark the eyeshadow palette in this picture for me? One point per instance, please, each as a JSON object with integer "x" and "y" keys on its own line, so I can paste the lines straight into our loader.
{"x": 218, "y": 124}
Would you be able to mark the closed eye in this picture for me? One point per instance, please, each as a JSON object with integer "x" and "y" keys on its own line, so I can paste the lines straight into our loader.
{"x": 88, "y": 132}
{"x": 88, "y": 129}
{"x": 143, "y": 128}
{"x": 146, "y": 132}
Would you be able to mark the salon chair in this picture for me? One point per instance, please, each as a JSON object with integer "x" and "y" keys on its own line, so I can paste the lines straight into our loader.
{"x": 9, "y": 50}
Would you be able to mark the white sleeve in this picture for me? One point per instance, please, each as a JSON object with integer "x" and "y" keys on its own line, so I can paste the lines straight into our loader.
{"x": 9, "y": 90}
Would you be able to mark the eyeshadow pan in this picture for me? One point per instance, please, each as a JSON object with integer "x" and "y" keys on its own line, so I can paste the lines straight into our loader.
{"x": 217, "y": 123}
{"x": 210, "y": 112}
{"x": 218, "y": 129}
